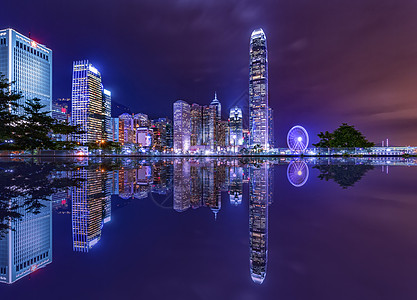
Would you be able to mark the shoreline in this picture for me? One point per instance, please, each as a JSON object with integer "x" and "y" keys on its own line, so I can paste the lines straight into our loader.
{"x": 215, "y": 155}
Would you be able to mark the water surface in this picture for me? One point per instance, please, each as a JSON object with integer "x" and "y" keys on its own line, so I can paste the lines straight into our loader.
{"x": 208, "y": 229}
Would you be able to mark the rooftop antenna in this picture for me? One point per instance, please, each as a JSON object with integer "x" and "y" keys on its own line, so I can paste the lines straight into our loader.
{"x": 29, "y": 34}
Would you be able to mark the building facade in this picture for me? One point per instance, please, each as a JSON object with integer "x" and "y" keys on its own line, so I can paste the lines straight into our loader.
{"x": 182, "y": 126}
{"x": 106, "y": 121}
{"x": 29, "y": 65}
{"x": 236, "y": 127}
{"x": 258, "y": 91}
{"x": 196, "y": 125}
{"x": 87, "y": 102}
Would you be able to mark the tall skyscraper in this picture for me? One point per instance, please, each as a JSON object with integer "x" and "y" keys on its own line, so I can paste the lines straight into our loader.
{"x": 87, "y": 102}
{"x": 236, "y": 127}
{"x": 258, "y": 90}
{"x": 182, "y": 126}
{"x": 196, "y": 124}
{"x": 27, "y": 245}
{"x": 106, "y": 122}
{"x": 29, "y": 65}
{"x": 209, "y": 126}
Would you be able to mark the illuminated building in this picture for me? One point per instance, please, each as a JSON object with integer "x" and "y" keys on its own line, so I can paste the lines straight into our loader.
{"x": 216, "y": 104}
{"x": 236, "y": 127}
{"x": 59, "y": 113}
{"x": 144, "y": 137}
{"x": 162, "y": 134}
{"x": 126, "y": 129}
{"x": 258, "y": 221}
{"x": 87, "y": 102}
{"x": 27, "y": 246}
{"x": 141, "y": 120}
{"x": 271, "y": 127}
{"x": 114, "y": 126}
{"x": 29, "y": 65}
{"x": 258, "y": 91}
{"x": 222, "y": 138}
{"x": 106, "y": 122}
{"x": 196, "y": 125}
{"x": 89, "y": 200}
{"x": 209, "y": 127}
{"x": 246, "y": 134}
{"x": 182, "y": 126}
{"x": 182, "y": 191}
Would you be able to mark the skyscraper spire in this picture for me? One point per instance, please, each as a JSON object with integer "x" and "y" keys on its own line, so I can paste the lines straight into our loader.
{"x": 216, "y": 103}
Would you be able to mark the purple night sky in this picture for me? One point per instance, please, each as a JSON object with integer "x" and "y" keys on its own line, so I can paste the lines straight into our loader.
{"x": 330, "y": 62}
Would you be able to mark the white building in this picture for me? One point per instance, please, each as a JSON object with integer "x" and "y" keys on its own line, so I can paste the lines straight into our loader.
{"x": 29, "y": 65}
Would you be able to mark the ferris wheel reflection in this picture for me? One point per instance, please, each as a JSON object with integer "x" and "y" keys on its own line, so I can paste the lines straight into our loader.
{"x": 297, "y": 173}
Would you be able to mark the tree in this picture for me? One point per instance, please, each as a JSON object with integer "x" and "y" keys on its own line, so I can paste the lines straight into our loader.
{"x": 35, "y": 129}
{"x": 66, "y": 130}
{"x": 346, "y": 136}
{"x": 8, "y": 104}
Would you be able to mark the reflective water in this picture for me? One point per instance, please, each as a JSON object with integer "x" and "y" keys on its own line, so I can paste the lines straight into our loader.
{"x": 208, "y": 229}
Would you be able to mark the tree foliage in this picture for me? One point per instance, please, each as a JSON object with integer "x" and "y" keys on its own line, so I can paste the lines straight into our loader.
{"x": 8, "y": 103}
{"x": 346, "y": 136}
{"x": 34, "y": 128}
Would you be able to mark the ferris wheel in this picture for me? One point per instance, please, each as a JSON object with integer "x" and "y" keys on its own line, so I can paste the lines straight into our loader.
{"x": 297, "y": 173}
{"x": 297, "y": 139}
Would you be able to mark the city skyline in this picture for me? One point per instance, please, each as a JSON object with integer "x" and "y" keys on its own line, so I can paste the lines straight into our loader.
{"x": 318, "y": 77}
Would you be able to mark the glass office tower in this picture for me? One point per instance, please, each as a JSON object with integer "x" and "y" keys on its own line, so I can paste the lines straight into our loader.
{"x": 106, "y": 122}
{"x": 258, "y": 91}
{"x": 182, "y": 126}
{"x": 236, "y": 127}
{"x": 87, "y": 102}
{"x": 29, "y": 65}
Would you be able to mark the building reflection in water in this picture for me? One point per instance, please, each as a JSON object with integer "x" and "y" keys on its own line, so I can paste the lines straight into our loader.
{"x": 297, "y": 173}
{"x": 27, "y": 244}
{"x": 199, "y": 184}
{"x": 195, "y": 183}
{"x": 90, "y": 207}
{"x": 258, "y": 220}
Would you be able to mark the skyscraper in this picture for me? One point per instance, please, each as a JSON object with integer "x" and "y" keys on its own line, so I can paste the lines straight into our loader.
{"x": 209, "y": 126}
{"x": 87, "y": 102}
{"x": 29, "y": 65}
{"x": 236, "y": 127}
{"x": 182, "y": 126}
{"x": 196, "y": 124}
{"x": 258, "y": 90}
{"x": 106, "y": 122}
